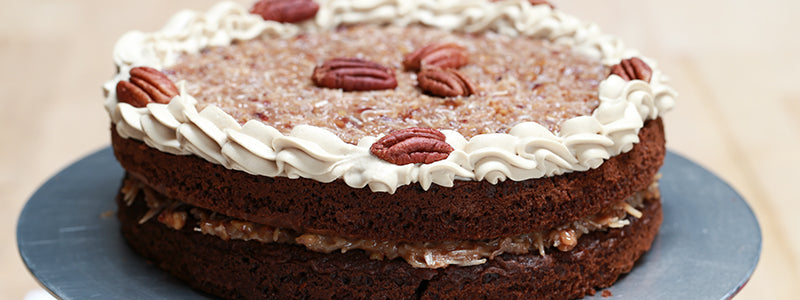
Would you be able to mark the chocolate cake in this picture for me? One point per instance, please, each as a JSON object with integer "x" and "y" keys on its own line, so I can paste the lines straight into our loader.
{"x": 396, "y": 149}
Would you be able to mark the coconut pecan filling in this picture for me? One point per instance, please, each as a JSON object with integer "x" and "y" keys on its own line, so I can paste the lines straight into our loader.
{"x": 176, "y": 215}
{"x": 515, "y": 79}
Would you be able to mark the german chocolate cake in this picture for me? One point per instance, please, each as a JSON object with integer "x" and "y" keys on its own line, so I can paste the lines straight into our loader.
{"x": 387, "y": 149}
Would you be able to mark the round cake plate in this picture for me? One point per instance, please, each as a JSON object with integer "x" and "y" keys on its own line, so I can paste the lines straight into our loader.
{"x": 69, "y": 238}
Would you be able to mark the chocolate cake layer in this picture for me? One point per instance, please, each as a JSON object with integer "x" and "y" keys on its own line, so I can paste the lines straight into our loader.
{"x": 175, "y": 214}
{"x": 467, "y": 211}
{"x": 238, "y": 269}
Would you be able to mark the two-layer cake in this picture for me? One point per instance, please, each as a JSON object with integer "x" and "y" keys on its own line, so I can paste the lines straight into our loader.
{"x": 388, "y": 149}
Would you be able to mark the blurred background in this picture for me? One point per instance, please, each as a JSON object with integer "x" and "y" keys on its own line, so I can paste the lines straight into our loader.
{"x": 735, "y": 64}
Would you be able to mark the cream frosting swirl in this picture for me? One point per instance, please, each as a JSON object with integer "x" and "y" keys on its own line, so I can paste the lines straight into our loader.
{"x": 527, "y": 151}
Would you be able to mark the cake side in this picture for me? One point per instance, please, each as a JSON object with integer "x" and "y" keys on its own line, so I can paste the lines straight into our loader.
{"x": 498, "y": 183}
{"x": 528, "y": 150}
{"x": 469, "y": 210}
{"x": 236, "y": 269}
{"x": 177, "y": 214}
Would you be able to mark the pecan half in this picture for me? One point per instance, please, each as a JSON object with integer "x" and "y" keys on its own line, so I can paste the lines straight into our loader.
{"x": 439, "y": 55}
{"x": 445, "y": 83}
{"x": 412, "y": 145}
{"x": 146, "y": 85}
{"x": 353, "y": 74}
{"x": 287, "y": 11}
{"x": 632, "y": 69}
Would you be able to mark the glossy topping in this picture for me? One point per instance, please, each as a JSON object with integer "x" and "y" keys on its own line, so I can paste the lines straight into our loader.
{"x": 268, "y": 79}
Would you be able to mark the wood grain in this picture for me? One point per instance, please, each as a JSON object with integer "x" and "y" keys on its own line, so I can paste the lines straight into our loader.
{"x": 734, "y": 64}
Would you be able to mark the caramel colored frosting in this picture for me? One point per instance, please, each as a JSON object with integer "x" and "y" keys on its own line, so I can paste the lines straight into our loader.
{"x": 517, "y": 79}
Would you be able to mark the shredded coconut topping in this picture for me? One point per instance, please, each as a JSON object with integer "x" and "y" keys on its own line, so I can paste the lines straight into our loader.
{"x": 269, "y": 79}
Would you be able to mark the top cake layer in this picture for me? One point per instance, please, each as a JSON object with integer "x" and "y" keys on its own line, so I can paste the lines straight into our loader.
{"x": 269, "y": 79}
{"x": 526, "y": 150}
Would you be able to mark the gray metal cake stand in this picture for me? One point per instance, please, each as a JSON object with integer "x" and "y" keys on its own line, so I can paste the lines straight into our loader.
{"x": 69, "y": 238}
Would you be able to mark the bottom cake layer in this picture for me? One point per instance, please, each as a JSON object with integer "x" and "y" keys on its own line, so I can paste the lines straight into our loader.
{"x": 239, "y": 269}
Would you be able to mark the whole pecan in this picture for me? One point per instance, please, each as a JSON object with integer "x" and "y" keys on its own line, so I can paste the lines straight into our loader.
{"x": 353, "y": 74}
{"x": 412, "y": 145}
{"x": 441, "y": 55}
{"x": 288, "y": 11}
{"x": 146, "y": 85}
{"x": 632, "y": 68}
{"x": 445, "y": 83}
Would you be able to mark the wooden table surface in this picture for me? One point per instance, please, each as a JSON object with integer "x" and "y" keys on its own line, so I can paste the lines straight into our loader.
{"x": 734, "y": 63}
